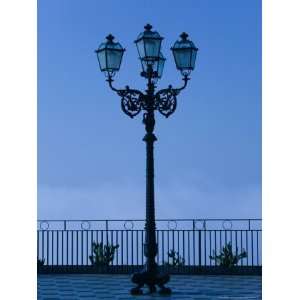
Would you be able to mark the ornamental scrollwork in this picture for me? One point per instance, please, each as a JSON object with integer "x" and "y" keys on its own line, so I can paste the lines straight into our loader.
{"x": 131, "y": 101}
{"x": 166, "y": 102}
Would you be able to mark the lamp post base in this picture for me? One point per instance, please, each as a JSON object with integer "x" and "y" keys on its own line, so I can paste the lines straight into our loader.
{"x": 151, "y": 279}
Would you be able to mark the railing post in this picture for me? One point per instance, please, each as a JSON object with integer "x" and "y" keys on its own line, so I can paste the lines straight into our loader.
{"x": 249, "y": 224}
{"x": 106, "y": 228}
{"x": 65, "y": 224}
{"x": 194, "y": 250}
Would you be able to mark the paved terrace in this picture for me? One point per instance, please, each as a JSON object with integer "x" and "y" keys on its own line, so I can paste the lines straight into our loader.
{"x": 184, "y": 287}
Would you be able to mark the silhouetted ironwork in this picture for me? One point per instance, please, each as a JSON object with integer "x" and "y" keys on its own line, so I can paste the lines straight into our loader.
{"x": 161, "y": 224}
{"x": 68, "y": 243}
{"x": 133, "y": 101}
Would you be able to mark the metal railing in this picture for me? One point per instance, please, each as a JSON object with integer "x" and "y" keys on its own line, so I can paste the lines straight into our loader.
{"x": 69, "y": 242}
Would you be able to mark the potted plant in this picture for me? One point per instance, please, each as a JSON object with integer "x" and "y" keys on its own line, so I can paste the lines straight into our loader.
{"x": 40, "y": 263}
{"x": 227, "y": 259}
{"x": 174, "y": 261}
{"x": 103, "y": 255}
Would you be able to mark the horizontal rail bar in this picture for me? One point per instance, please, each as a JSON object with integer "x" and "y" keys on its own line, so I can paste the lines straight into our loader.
{"x": 121, "y": 220}
{"x": 170, "y": 224}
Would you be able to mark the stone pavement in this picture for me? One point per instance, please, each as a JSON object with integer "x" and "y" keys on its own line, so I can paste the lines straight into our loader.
{"x": 184, "y": 287}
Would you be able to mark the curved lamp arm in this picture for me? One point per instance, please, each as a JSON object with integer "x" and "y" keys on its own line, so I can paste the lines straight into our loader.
{"x": 185, "y": 79}
{"x": 121, "y": 92}
{"x": 166, "y": 101}
{"x": 110, "y": 80}
{"x": 175, "y": 90}
{"x": 131, "y": 100}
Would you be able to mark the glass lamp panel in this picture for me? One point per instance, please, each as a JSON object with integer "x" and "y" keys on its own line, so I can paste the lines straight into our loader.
{"x": 160, "y": 68}
{"x": 193, "y": 58}
{"x": 152, "y": 48}
{"x": 155, "y": 65}
{"x": 102, "y": 60}
{"x": 141, "y": 48}
{"x": 182, "y": 58}
{"x": 144, "y": 65}
{"x": 114, "y": 58}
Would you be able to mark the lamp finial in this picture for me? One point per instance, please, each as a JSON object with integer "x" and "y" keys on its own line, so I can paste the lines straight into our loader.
{"x": 110, "y": 37}
{"x": 184, "y": 36}
{"x": 148, "y": 27}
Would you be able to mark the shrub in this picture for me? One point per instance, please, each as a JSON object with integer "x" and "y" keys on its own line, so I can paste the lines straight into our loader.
{"x": 227, "y": 258}
{"x": 40, "y": 262}
{"x": 103, "y": 255}
{"x": 175, "y": 258}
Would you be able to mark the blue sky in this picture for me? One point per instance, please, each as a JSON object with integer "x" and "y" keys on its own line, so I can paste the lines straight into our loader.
{"x": 91, "y": 157}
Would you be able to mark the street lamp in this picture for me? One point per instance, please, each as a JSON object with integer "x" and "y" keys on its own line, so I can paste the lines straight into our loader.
{"x": 110, "y": 56}
{"x": 133, "y": 102}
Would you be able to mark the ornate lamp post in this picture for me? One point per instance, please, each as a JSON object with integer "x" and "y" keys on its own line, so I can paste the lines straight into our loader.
{"x": 133, "y": 101}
